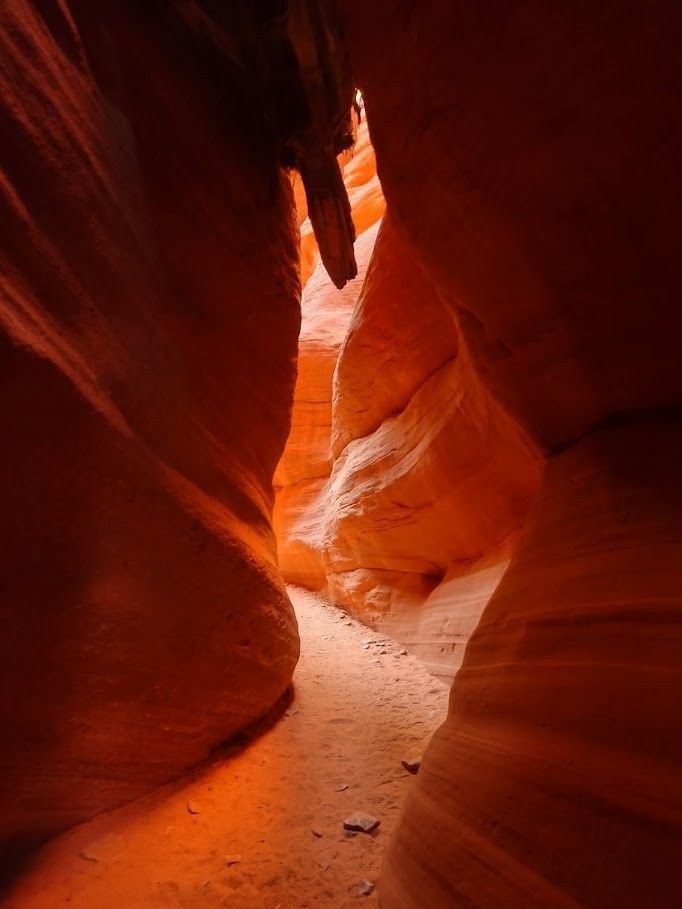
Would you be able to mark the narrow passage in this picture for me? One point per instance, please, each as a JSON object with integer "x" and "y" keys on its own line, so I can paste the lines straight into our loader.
{"x": 263, "y": 828}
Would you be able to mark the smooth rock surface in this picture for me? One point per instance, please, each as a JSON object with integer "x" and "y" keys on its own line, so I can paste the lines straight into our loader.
{"x": 529, "y": 154}
{"x": 403, "y": 484}
{"x": 302, "y": 473}
{"x": 143, "y": 251}
{"x": 554, "y": 781}
{"x": 443, "y": 482}
{"x": 529, "y": 157}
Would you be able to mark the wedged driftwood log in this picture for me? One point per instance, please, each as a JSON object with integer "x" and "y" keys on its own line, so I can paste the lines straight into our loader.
{"x": 316, "y": 36}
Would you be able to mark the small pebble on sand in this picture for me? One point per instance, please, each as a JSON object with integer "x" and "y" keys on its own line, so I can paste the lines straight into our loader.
{"x": 364, "y": 823}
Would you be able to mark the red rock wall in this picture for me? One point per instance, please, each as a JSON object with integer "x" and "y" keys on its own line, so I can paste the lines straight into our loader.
{"x": 403, "y": 483}
{"x": 555, "y": 780}
{"x": 529, "y": 156}
{"x": 302, "y": 473}
{"x": 148, "y": 270}
{"x": 400, "y": 472}
{"x": 430, "y": 475}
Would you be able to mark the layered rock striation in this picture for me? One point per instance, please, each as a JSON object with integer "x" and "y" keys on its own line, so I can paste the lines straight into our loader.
{"x": 529, "y": 158}
{"x": 303, "y": 472}
{"x": 403, "y": 483}
{"x": 430, "y": 479}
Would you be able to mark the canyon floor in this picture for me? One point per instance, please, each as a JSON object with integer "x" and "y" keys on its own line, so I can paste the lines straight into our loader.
{"x": 260, "y": 825}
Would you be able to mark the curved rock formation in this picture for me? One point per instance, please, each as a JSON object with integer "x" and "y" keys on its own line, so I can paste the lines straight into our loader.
{"x": 430, "y": 475}
{"x": 146, "y": 242}
{"x": 520, "y": 303}
{"x": 529, "y": 156}
{"x": 555, "y": 779}
{"x": 403, "y": 472}
{"x": 302, "y": 474}
{"x": 399, "y": 336}
{"x": 494, "y": 181}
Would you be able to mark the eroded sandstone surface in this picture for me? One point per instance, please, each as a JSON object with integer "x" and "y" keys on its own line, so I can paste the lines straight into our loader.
{"x": 302, "y": 474}
{"x": 485, "y": 444}
{"x": 149, "y": 314}
{"x": 404, "y": 483}
{"x": 529, "y": 157}
{"x": 430, "y": 476}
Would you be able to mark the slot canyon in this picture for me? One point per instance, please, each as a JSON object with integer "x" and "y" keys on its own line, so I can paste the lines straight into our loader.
{"x": 342, "y": 431}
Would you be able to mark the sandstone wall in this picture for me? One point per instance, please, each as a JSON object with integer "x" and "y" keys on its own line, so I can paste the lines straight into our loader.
{"x": 403, "y": 483}
{"x": 529, "y": 157}
{"x": 149, "y": 310}
{"x": 430, "y": 475}
{"x": 302, "y": 474}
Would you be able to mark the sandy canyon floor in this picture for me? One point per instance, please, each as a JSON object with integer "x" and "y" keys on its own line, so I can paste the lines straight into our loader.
{"x": 260, "y": 826}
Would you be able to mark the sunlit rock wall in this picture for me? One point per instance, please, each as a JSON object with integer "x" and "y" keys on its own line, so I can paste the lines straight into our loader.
{"x": 302, "y": 474}
{"x": 403, "y": 483}
{"x": 430, "y": 476}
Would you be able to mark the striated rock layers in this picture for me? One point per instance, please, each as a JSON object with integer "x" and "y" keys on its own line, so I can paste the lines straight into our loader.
{"x": 403, "y": 483}
{"x": 149, "y": 311}
{"x": 529, "y": 156}
{"x": 431, "y": 479}
{"x": 302, "y": 474}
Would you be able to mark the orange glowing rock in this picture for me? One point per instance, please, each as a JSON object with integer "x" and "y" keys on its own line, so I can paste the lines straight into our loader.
{"x": 401, "y": 472}
{"x": 399, "y": 335}
{"x": 305, "y": 466}
{"x": 430, "y": 475}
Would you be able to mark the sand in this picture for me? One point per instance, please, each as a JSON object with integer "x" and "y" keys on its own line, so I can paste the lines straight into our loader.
{"x": 260, "y": 825}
